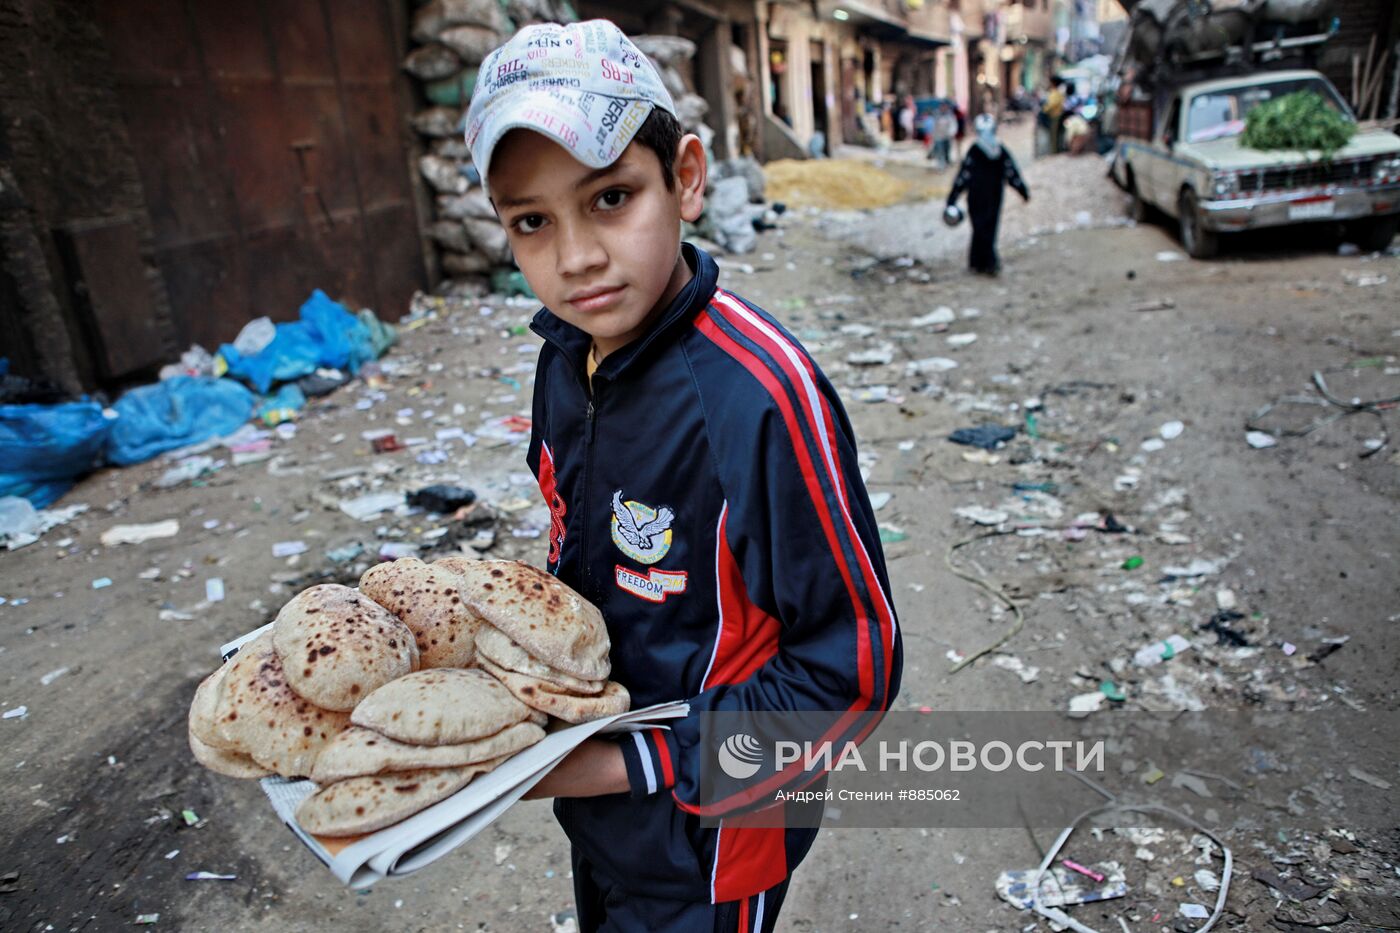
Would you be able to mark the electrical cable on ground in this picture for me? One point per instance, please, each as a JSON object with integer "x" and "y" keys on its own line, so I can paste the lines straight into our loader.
{"x": 985, "y": 584}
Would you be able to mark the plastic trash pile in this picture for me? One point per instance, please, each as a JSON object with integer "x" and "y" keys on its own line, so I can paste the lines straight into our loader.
{"x": 46, "y": 446}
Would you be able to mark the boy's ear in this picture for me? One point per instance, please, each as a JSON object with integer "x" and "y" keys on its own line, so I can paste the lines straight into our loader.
{"x": 691, "y": 170}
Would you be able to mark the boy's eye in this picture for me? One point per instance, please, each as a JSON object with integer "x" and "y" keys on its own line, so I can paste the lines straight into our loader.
{"x": 528, "y": 223}
{"x": 612, "y": 199}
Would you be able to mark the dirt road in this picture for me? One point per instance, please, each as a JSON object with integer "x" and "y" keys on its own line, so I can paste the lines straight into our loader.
{"x": 1299, "y": 539}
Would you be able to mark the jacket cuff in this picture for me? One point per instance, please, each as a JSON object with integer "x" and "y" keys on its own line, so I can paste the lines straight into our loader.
{"x": 650, "y": 755}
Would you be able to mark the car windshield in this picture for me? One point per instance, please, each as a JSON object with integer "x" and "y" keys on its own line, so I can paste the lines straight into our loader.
{"x": 1222, "y": 113}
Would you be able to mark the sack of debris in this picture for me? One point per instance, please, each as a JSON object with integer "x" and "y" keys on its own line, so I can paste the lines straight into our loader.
{"x": 45, "y": 448}
{"x": 327, "y": 336}
{"x": 177, "y": 412}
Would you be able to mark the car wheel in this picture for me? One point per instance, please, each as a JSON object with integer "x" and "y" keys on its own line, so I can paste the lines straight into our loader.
{"x": 1199, "y": 242}
{"x": 1374, "y": 235}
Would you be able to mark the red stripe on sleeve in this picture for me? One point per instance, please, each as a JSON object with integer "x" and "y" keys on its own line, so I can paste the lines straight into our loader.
{"x": 663, "y": 756}
{"x": 784, "y": 352}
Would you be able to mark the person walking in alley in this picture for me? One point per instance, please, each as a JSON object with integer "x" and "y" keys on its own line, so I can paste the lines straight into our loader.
{"x": 944, "y": 128}
{"x": 984, "y": 175}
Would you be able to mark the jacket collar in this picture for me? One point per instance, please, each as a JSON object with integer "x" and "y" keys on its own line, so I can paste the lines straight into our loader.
{"x": 575, "y": 344}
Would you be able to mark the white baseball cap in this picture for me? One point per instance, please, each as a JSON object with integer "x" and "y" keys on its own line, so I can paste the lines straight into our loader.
{"x": 584, "y": 85}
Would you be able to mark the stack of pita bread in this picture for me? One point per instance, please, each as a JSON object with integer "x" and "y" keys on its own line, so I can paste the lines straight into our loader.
{"x": 545, "y": 642}
{"x": 395, "y": 695}
{"x": 273, "y": 706}
{"x": 413, "y": 742}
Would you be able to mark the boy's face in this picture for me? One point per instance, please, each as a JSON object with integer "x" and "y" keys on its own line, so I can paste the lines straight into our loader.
{"x": 600, "y": 247}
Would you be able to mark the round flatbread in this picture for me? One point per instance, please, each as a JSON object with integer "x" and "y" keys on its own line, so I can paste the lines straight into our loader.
{"x": 570, "y": 707}
{"x": 496, "y": 651}
{"x": 459, "y": 564}
{"x": 445, "y": 706}
{"x": 204, "y": 710}
{"x": 542, "y": 615}
{"x": 365, "y": 804}
{"x": 260, "y": 715}
{"x": 338, "y": 646}
{"x": 430, "y": 602}
{"x": 358, "y": 751}
{"x": 220, "y": 761}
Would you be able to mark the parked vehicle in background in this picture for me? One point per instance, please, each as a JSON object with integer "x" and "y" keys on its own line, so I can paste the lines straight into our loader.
{"x": 1185, "y": 82}
{"x": 1194, "y": 168}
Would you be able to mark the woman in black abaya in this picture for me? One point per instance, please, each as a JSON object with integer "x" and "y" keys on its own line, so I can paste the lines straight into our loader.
{"x": 985, "y": 173}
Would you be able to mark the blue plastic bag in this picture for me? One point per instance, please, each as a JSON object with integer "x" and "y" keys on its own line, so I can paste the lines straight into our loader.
{"x": 45, "y": 448}
{"x": 326, "y": 336}
{"x": 175, "y": 413}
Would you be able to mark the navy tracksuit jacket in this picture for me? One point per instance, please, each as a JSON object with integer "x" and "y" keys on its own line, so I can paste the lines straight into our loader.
{"x": 707, "y": 499}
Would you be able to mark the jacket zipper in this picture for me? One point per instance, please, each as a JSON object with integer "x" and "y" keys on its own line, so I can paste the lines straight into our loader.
{"x": 591, "y": 421}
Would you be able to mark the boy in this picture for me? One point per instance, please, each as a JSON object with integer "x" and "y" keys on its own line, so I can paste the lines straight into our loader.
{"x": 702, "y": 480}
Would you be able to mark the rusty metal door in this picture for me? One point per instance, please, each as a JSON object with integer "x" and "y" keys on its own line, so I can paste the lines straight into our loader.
{"x": 273, "y": 151}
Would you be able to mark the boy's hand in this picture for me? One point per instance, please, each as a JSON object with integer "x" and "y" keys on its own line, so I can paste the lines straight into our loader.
{"x": 594, "y": 768}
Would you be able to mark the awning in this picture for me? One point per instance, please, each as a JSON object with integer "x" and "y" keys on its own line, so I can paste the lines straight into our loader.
{"x": 870, "y": 18}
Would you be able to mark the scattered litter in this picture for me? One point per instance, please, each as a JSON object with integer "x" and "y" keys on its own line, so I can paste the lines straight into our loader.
{"x": 1088, "y": 872}
{"x": 101, "y": 583}
{"x": 1224, "y": 633}
{"x": 939, "y": 315}
{"x": 1199, "y": 567}
{"x": 932, "y": 364}
{"x": 189, "y": 816}
{"x": 1206, "y": 880}
{"x": 1194, "y": 911}
{"x": 958, "y": 341}
{"x": 1364, "y": 279}
{"x": 889, "y": 534}
{"x": 1006, "y": 662}
{"x": 987, "y": 436}
{"x": 1159, "y": 651}
{"x": 1112, "y": 691}
{"x": 288, "y": 548}
{"x": 1259, "y": 440}
{"x": 343, "y": 555}
{"x": 1060, "y": 887}
{"x": 53, "y": 675}
{"x": 1085, "y": 703}
{"x": 369, "y": 506}
{"x": 139, "y": 534}
{"x": 171, "y": 854}
{"x": 1043, "y": 895}
{"x": 979, "y": 515}
{"x": 209, "y": 876}
{"x": 1159, "y": 304}
{"x": 1132, "y": 563}
{"x": 1289, "y": 648}
{"x": 1192, "y": 783}
{"x": 1367, "y": 778}
{"x": 214, "y": 589}
{"x": 880, "y": 356}
{"x": 191, "y": 468}
{"x": 878, "y": 500}
{"x": 393, "y": 550}
{"x": 1170, "y": 255}
{"x": 19, "y": 712}
{"x": 147, "y": 919}
{"x": 1171, "y": 430}
{"x": 442, "y": 499}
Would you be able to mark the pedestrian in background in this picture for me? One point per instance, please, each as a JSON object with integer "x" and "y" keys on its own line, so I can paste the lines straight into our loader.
{"x": 984, "y": 175}
{"x": 945, "y": 127}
